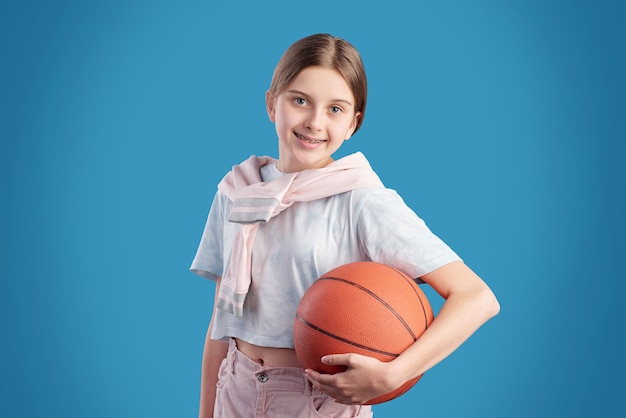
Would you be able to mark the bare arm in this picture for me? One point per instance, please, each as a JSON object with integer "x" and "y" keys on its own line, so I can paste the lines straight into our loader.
{"x": 212, "y": 356}
{"x": 469, "y": 304}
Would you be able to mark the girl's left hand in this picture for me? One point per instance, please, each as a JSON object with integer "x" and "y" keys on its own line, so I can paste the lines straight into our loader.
{"x": 365, "y": 378}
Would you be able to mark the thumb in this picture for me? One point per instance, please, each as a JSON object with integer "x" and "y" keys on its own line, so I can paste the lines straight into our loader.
{"x": 336, "y": 359}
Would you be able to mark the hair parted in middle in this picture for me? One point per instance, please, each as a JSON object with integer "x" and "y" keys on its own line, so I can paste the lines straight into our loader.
{"x": 327, "y": 51}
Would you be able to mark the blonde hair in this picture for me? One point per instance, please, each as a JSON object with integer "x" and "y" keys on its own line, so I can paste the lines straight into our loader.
{"x": 323, "y": 50}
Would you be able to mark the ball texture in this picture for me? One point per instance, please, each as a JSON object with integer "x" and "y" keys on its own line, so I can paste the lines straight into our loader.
{"x": 365, "y": 308}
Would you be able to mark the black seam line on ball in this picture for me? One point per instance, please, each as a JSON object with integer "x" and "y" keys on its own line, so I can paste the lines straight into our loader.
{"x": 344, "y": 340}
{"x": 374, "y": 295}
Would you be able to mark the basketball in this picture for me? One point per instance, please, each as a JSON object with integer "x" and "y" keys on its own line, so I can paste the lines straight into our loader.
{"x": 365, "y": 308}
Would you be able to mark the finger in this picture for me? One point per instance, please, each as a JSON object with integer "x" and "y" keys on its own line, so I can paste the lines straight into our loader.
{"x": 337, "y": 359}
{"x": 318, "y": 379}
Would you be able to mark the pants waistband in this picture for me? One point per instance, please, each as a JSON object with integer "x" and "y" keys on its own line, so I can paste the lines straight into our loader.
{"x": 279, "y": 378}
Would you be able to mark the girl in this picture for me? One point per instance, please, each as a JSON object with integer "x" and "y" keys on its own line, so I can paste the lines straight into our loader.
{"x": 276, "y": 225}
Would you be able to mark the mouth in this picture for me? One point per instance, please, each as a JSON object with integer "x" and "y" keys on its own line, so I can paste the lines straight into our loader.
{"x": 309, "y": 140}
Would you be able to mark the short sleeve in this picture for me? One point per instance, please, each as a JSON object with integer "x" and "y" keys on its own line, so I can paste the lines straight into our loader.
{"x": 209, "y": 259}
{"x": 391, "y": 233}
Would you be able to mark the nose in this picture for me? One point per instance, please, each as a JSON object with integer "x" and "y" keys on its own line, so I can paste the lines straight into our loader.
{"x": 315, "y": 119}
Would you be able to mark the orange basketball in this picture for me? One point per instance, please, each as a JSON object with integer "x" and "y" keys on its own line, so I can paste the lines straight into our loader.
{"x": 365, "y": 308}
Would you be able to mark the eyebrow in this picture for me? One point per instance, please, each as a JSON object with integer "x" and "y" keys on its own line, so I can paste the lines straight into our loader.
{"x": 333, "y": 101}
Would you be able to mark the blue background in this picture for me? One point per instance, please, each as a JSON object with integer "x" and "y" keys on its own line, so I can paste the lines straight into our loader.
{"x": 500, "y": 122}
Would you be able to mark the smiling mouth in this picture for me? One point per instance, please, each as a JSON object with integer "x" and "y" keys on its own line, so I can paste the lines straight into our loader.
{"x": 309, "y": 140}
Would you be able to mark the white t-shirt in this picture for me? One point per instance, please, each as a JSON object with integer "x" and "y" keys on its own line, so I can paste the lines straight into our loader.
{"x": 305, "y": 241}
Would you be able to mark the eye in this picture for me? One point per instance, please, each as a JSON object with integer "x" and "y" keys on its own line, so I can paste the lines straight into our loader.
{"x": 335, "y": 109}
{"x": 300, "y": 101}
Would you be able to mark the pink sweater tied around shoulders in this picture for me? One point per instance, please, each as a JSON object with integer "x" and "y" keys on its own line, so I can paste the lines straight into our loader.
{"x": 255, "y": 201}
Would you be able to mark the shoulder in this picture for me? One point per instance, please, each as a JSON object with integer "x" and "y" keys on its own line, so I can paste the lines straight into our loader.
{"x": 375, "y": 197}
{"x": 382, "y": 206}
{"x": 253, "y": 162}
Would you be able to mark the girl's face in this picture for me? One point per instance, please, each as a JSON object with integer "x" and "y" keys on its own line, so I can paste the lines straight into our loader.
{"x": 313, "y": 116}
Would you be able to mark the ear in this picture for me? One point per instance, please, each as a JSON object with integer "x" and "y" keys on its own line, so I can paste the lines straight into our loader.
{"x": 270, "y": 105}
{"x": 355, "y": 120}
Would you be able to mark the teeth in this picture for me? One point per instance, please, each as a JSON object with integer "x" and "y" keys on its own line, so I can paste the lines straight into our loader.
{"x": 310, "y": 141}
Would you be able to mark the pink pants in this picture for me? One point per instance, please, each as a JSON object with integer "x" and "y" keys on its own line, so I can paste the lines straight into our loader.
{"x": 247, "y": 389}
